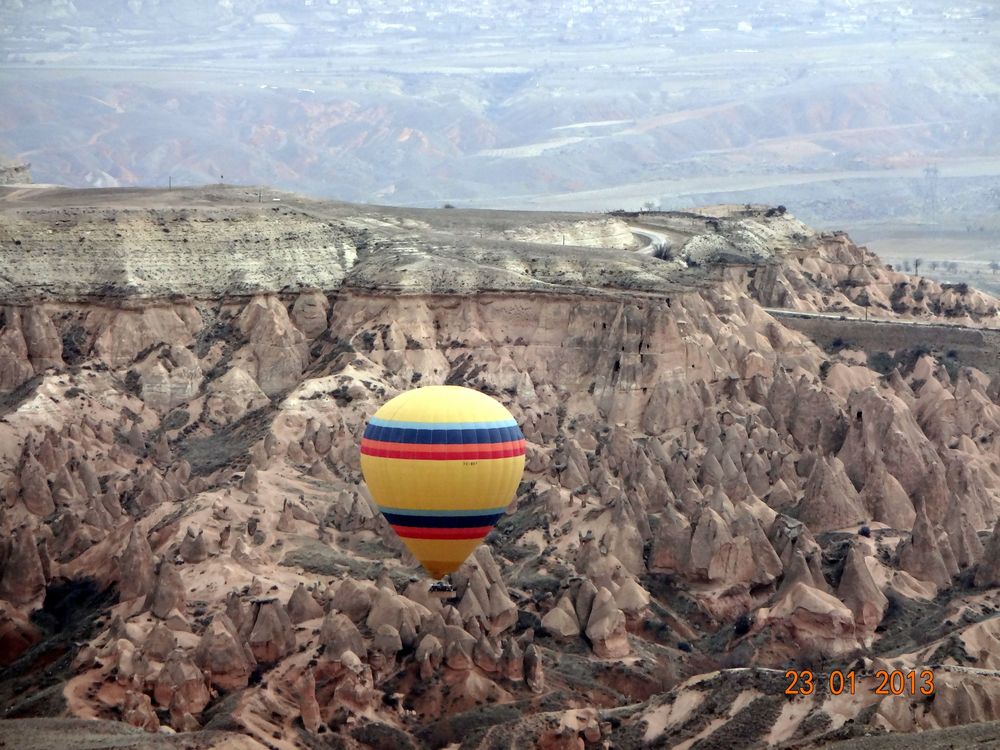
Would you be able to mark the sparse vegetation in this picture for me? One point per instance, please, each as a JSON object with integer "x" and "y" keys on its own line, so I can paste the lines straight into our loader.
{"x": 229, "y": 445}
{"x": 881, "y": 362}
{"x": 742, "y": 626}
{"x": 175, "y": 420}
{"x": 74, "y": 343}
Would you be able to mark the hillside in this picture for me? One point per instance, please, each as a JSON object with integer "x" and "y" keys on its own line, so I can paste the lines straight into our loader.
{"x": 710, "y": 499}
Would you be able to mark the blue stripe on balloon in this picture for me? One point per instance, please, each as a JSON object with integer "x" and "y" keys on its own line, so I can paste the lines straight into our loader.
{"x": 411, "y": 512}
{"x": 442, "y": 436}
{"x": 442, "y": 425}
{"x": 443, "y": 522}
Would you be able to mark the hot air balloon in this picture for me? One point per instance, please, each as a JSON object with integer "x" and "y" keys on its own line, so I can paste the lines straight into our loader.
{"x": 443, "y": 463}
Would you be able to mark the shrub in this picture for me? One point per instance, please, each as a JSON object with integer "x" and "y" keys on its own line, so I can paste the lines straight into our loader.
{"x": 74, "y": 345}
{"x": 881, "y": 363}
{"x": 742, "y": 626}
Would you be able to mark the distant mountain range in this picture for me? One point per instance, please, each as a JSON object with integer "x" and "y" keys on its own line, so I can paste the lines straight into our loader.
{"x": 838, "y": 110}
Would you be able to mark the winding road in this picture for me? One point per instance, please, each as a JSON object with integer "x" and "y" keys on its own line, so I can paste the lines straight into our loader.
{"x": 652, "y": 239}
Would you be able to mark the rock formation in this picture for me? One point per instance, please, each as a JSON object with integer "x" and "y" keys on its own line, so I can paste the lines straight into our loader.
{"x": 227, "y": 660}
{"x": 705, "y": 486}
{"x": 168, "y": 594}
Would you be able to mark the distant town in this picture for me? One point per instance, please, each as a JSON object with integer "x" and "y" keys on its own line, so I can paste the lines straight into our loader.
{"x": 48, "y": 30}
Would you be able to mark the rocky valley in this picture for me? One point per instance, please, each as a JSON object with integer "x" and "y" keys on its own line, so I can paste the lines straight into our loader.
{"x": 716, "y": 491}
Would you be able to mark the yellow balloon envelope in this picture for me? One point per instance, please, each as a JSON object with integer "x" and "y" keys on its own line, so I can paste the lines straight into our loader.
{"x": 443, "y": 463}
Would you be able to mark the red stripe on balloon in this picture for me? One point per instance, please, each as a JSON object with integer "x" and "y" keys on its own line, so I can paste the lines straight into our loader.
{"x": 422, "y": 532}
{"x": 467, "y": 452}
{"x": 443, "y": 447}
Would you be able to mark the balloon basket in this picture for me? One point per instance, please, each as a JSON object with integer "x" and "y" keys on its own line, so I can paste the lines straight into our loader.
{"x": 442, "y": 590}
